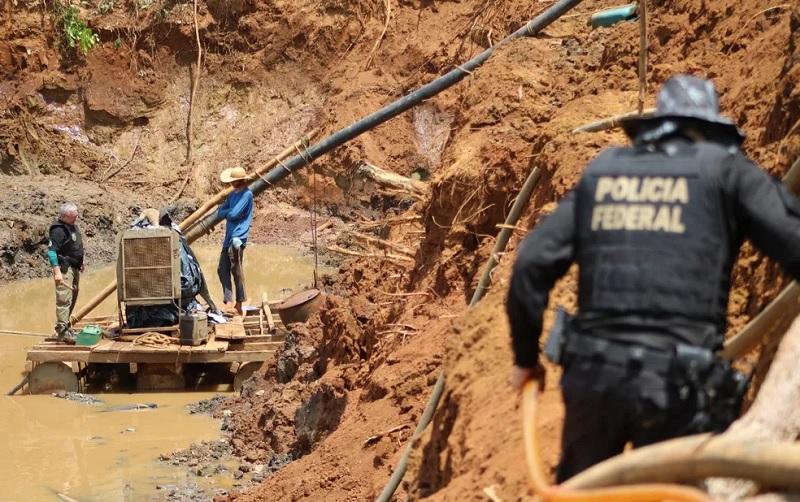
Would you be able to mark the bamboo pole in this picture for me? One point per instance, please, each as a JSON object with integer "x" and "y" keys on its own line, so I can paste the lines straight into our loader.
{"x": 185, "y": 224}
{"x": 642, "y": 6}
{"x": 774, "y": 320}
{"x": 193, "y": 99}
{"x": 613, "y": 122}
{"x": 20, "y": 385}
{"x": 22, "y": 333}
{"x": 220, "y": 197}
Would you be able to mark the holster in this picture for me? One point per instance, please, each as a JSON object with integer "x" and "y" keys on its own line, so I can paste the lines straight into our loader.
{"x": 65, "y": 262}
{"x": 557, "y": 337}
{"x": 716, "y": 388}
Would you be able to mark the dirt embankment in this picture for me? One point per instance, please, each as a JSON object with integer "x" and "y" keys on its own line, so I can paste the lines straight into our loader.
{"x": 515, "y": 113}
{"x": 348, "y": 389}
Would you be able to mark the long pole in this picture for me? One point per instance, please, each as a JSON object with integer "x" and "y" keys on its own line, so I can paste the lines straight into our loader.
{"x": 354, "y": 130}
{"x": 192, "y": 218}
{"x": 642, "y": 53}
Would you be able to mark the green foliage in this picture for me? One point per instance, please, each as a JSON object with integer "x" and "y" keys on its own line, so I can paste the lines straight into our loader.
{"x": 105, "y": 6}
{"x": 76, "y": 33}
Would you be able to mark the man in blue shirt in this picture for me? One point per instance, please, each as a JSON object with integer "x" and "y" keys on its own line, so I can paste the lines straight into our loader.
{"x": 238, "y": 213}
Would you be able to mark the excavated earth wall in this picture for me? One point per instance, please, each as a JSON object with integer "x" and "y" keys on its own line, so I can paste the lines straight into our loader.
{"x": 349, "y": 387}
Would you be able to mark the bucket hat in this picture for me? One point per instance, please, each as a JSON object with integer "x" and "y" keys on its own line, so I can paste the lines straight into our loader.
{"x": 685, "y": 97}
{"x": 233, "y": 174}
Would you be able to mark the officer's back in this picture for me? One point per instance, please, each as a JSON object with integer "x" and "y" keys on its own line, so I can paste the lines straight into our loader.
{"x": 655, "y": 229}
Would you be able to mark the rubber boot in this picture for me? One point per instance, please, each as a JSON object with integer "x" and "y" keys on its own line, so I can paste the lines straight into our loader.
{"x": 65, "y": 334}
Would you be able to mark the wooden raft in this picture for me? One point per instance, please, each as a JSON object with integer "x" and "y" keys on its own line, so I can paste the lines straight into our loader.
{"x": 252, "y": 339}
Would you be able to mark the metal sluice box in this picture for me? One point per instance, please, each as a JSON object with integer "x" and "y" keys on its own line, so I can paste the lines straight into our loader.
{"x": 148, "y": 267}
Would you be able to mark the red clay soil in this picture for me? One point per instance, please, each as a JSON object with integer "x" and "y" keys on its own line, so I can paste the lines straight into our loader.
{"x": 517, "y": 112}
{"x": 348, "y": 389}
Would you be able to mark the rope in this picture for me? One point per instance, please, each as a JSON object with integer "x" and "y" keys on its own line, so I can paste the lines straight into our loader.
{"x": 154, "y": 340}
{"x": 306, "y": 155}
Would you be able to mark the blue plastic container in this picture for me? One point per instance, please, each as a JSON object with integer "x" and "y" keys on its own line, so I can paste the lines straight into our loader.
{"x": 613, "y": 16}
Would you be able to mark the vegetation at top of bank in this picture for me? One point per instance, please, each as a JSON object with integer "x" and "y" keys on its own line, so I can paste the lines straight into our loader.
{"x": 76, "y": 34}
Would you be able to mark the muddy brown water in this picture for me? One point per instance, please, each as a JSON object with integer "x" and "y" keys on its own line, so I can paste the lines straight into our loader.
{"x": 50, "y": 446}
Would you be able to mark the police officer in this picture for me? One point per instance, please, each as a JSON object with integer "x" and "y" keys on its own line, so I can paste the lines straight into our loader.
{"x": 65, "y": 254}
{"x": 655, "y": 229}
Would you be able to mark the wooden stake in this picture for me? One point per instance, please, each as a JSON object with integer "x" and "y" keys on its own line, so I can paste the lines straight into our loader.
{"x": 382, "y": 243}
{"x": 642, "y": 53}
{"x": 611, "y": 123}
{"x": 389, "y": 179}
{"x": 383, "y": 34}
{"x": 385, "y": 257}
{"x": 374, "y": 439}
{"x": 193, "y": 94}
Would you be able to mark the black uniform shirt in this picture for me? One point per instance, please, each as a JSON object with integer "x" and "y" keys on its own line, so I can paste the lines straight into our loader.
{"x": 66, "y": 241}
{"x": 756, "y": 206}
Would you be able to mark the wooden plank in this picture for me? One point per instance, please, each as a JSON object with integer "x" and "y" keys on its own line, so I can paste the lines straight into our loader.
{"x": 271, "y": 346}
{"x": 46, "y": 356}
{"x": 103, "y": 346}
{"x": 130, "y": 331}
{"x": 213, "y": 346}
{"x": 229, "y": 331}
{"x": 268, "y": 315}
{"x": 255, "y": 339}
{"x": 230, "y": 356}
{"x": 61, "y": 346}
{"x": 146, "y": 349}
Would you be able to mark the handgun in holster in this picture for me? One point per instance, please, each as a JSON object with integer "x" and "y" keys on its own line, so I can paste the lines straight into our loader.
{"x": 718, "y": 388}
{"x": 557, "y": 337}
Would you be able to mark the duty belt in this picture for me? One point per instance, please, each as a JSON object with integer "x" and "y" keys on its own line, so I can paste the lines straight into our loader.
{"x": 619, "y": 353}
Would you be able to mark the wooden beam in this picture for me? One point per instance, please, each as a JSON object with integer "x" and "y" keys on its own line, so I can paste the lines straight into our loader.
{"x": 390, "y": 179}
{"x": 231, "y": 356}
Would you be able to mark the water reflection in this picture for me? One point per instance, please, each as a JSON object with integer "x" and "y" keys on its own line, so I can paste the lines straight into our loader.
{"x": 50, "y": 446}
{"x": 275, "y": 270}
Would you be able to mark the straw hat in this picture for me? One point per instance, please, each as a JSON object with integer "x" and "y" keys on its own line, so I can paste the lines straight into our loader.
{"x": 233, "y": 174}
{"x": 151, "y": 215}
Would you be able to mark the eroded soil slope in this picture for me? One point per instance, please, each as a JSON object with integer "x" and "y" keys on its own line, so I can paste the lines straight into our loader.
{"x": 348, "y": 389}
{"x": 517, "y": 112}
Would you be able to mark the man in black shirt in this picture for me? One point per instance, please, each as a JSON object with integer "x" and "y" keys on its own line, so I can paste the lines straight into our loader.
{"x": 656, "y": 229}
{"x": 65, "y": 254}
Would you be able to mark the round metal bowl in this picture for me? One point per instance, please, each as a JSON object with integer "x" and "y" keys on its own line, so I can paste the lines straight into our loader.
{"x": 298, "y": 307}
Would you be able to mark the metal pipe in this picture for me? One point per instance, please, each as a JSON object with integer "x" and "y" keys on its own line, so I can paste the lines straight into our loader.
{"x": 354, "y": 130}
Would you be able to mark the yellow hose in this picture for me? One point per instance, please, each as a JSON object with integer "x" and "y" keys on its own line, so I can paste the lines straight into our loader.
{"x": 554, "y": 493}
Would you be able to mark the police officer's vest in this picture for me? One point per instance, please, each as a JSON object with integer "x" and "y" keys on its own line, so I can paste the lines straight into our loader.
{"x": 72, "y": 249}
{"x": 653, "y": 234}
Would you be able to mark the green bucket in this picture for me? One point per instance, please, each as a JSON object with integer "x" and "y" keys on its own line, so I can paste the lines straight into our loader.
{"x": 89, "y": 335}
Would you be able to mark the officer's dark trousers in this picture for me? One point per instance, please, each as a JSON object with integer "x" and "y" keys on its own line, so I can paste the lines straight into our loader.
{"x": 607, "y": 406}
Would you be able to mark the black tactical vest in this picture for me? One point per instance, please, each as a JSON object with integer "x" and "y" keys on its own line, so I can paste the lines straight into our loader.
{"x": 653, "y": 237}
{"x": 72, "y": 249}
